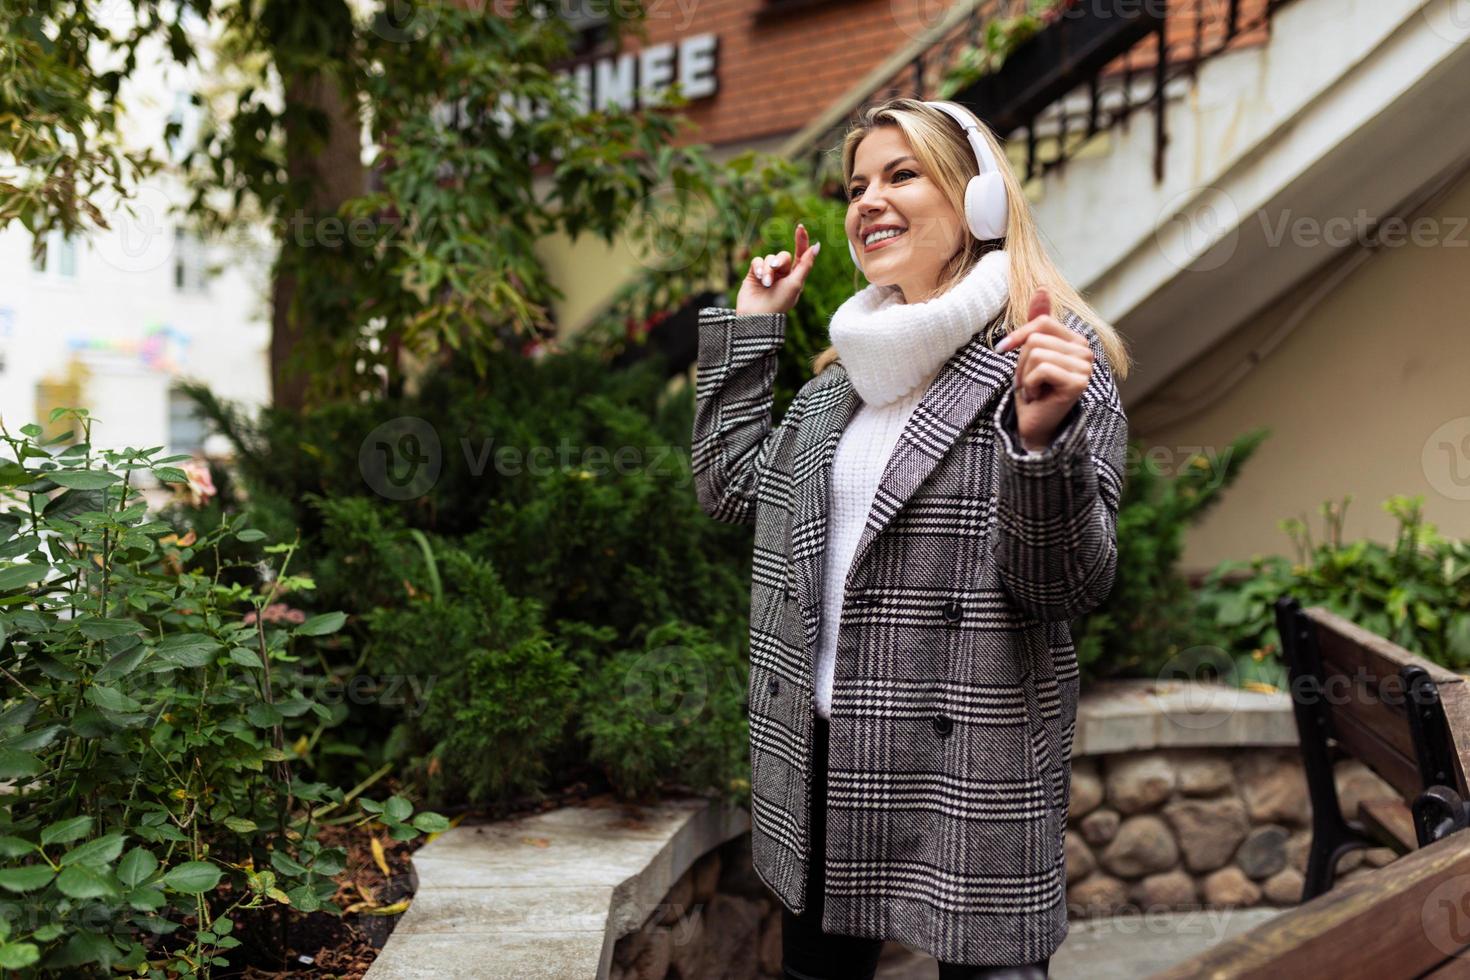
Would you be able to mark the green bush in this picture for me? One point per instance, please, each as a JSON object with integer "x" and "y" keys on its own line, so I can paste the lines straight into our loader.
{"x": 1415, "y": 592}
{"x": 1150, "y": 616}
{"x": 562, "y": 530}
{"x": 148, "y": 724}
{"x": 671, "y": 712}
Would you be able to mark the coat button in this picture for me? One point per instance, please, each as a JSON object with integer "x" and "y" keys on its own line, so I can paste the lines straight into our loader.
{"x": 952, "y": 612}
{"x": 942, "y": 725}
{"x": 773, "y": 686}
{"x": 865, "y": 600}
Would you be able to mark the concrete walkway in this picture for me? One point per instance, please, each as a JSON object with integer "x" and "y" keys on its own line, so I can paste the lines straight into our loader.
{"x": 1128, "y": 947}
{"x": 545, "y": 896}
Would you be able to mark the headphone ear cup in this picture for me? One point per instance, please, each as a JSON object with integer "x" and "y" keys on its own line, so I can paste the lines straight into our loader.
{"x": 986, "y": 206}
{"x": 853, "y": 252}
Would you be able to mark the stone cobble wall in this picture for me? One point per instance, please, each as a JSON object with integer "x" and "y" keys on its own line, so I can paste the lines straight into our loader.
{"x": 1180, "y": 829}
{"x": 1166, "y": 830}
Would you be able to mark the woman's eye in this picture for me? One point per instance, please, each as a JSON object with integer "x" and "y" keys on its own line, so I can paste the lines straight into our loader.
{"x": 857, "y": 192}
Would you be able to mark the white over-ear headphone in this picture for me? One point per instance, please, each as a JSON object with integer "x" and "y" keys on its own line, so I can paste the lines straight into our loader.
{"x": 986, "y": 205}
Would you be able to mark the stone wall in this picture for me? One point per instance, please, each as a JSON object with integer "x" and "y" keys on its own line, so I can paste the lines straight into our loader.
{"x": 714, "y": 918}
{"x": 1179, "y": 829}
{"x": 1183, "y": 797}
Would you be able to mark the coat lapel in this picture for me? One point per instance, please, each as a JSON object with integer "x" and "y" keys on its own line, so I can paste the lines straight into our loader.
{"x": 966, "y": 383}
{"x": 831, "y": 404}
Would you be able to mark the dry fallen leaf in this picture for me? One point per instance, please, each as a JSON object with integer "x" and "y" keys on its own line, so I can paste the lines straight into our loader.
{"x": 380, "y": 859}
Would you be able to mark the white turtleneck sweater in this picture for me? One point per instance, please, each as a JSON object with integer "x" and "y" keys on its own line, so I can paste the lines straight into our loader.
{"x": 892, "y": 352}
{"x": 862, "y": 454}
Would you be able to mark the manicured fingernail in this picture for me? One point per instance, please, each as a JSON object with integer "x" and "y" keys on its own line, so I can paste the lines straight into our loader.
{"x": 817, "y": 249}
{"x": 766, "y": 279}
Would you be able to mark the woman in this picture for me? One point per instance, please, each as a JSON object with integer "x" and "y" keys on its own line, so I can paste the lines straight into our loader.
{"x": 935, "y": 505}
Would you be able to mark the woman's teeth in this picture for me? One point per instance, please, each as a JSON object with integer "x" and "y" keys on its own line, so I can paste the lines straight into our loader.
{"x": 883, "y": 236}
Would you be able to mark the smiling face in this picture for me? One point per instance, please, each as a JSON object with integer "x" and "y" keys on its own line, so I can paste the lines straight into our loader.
{"x": 891, "y": 190}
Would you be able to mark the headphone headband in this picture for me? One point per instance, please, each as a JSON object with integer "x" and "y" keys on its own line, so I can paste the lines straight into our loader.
{"x": 972, "y": 133}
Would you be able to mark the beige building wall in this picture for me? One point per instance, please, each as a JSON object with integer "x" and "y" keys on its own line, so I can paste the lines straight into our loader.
{"x": 1368, "y": 395}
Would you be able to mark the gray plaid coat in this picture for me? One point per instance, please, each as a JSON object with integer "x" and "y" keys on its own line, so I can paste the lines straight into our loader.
{"x": 955, "y": 696}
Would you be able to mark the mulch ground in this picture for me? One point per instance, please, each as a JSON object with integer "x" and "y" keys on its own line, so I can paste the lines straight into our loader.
{"x": 278, "y": 942}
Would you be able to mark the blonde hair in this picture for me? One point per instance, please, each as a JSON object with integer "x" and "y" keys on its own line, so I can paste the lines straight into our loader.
{"x": 945, "y": 153}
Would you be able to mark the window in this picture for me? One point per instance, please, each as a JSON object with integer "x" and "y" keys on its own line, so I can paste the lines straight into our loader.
{"x": 186, "y": 430}
{"x": 191, "y": 262}
{"x": 57, "y": 256}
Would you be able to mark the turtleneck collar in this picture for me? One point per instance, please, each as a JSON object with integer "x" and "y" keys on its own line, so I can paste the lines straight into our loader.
{"x": 889, "y": 348}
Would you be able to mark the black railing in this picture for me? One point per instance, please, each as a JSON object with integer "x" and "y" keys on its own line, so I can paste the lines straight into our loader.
{"x": 1087, "y": 72}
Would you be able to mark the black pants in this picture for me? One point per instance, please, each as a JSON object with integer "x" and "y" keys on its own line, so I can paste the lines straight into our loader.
{"x": 808, "y": 953}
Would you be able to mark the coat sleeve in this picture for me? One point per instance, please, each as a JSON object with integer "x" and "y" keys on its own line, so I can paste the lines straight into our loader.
{"x": 734, "y": 391}
{"x": 1056, "y": 541}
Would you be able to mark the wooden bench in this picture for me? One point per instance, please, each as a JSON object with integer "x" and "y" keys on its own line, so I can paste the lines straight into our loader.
{"x": 1406, "y": 919}
{"x": 1358, "y": 695}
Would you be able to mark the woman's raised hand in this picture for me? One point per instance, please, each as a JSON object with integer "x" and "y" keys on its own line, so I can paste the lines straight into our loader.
{"x": 774, "y": 282}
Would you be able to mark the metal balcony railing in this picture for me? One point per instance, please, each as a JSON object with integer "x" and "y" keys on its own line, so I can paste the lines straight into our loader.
{"x": 1089, "y": 71}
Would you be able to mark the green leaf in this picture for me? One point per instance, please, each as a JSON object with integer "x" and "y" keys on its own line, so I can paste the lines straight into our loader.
{"x": 321, "y": 625}
{"x": 136, "y": 866}
{"x": 170, "y": 474}
{"x": 121, "y": 665}
{"x": 431, "y": 823}
{"x": 240, "y": 825}
{"x": 66, "y": 831}
{"x": 15, "y": 764}
{"x": 96, "y": 628}
{"x": 102, "y": 851}
{"x": 111, "y": 699}
{"x": 245, "y": 658}
{"x": 83, "y": 479}
{"x": 397, "y": 809}
{"x": 83, "y": 881}
{"x": 19, "y": 576}
{"x": 285, "y": 864}
{"x": 192, "y": 877}
{"x": 188, "y": 649}
{"x": 15, "y": 847}
{"x": 149, "y": 898}
{"x": 251, "y": 534}
{"x": 26, "y": 879}
{"x": 17, "y": 956}
{"x": 263, "y": 715}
